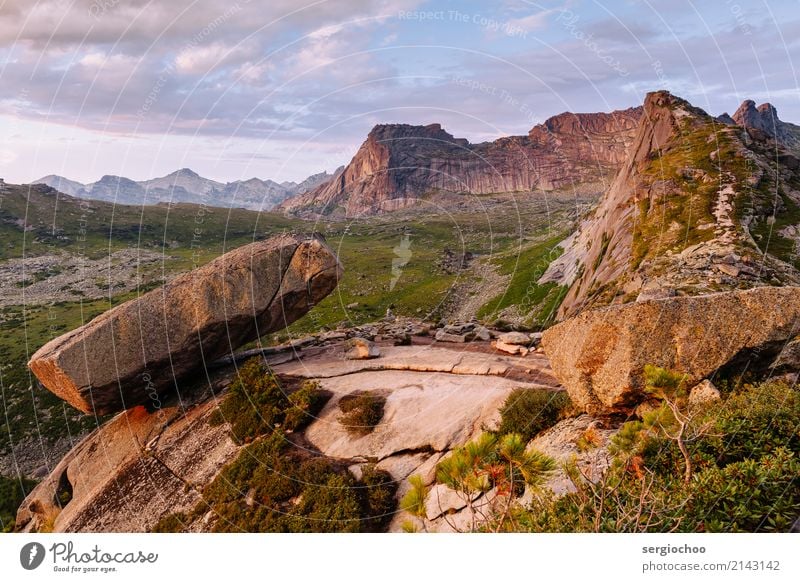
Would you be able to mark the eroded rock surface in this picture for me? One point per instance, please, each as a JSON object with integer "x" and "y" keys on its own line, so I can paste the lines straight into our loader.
{"x": 143, "y": 464}
{"x": 133, "y": 470}
{"x": 399, "y": 164}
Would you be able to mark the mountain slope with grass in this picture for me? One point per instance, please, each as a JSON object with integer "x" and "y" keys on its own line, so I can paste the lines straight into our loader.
{"x": 699, "y": 206}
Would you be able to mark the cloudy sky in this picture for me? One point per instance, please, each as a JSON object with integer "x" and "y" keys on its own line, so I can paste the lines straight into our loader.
{"x": 284, "y": 88}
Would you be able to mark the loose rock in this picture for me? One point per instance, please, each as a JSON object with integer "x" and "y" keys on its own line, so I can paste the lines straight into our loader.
{"x": 362, "y": 349}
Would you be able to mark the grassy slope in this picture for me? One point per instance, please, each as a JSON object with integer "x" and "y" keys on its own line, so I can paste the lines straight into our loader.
{"x": 538, "y": 302}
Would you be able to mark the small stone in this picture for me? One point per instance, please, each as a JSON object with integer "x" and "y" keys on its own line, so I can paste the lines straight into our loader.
{"x": 352, "y": 305}
{"x": 482, "y": 334}
{"x": 443, "y": 336}
{"x": 361, "y": 349}
{"x": 729, "y": 270}
{"x": 509, "y": 348}
{"x": 516, "y": 338}
{"x": 703, "y": 393}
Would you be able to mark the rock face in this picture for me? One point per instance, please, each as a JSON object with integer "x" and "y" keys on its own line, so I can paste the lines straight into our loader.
{"x": 134, "y": 469}
{"x": 133, "y": 353}
{"x": 600, "y": 355}
{"x": 683, "y": 215}
{"x": 764, "y": 118}
{"x": 398, "y": 164}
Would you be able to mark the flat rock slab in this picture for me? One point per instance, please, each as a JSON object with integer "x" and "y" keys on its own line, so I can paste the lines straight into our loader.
{"x": 600, "y": 355}
{"x": 134, "y": 352}
{"x": 423, "y": 412}
{"x": 420, "y": 358}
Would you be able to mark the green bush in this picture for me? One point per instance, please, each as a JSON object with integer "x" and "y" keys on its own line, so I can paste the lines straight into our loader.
{"x": 378, "y": 494}
{"x": 528, "y": 412}
{"x": 754, "y": 421}
{"x": 747, "y": 496}
{"x": 745, "y": 477}
{"x": 256, "y": 403}
{"x": 329, "y": 506}
{"x": 305, "y": 405}
{"x": 273, "y": 487}
{"x": 362, "y": 411}
{"x": 12, "y": 492}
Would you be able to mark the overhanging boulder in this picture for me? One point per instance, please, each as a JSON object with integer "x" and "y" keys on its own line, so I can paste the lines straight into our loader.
{"x": 134, "y": 352}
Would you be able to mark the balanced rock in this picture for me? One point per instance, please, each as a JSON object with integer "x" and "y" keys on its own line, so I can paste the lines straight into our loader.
{"x": 600, "y": 355}
{"x": 134, "y": 352}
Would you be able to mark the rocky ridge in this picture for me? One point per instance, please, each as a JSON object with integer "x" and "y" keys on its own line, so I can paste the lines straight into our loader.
{"x": 682, "y": 216}
{"x": 403, "y": 165}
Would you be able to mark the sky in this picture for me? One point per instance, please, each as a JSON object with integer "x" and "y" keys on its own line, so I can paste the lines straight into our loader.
{"x": 282, "y": 89}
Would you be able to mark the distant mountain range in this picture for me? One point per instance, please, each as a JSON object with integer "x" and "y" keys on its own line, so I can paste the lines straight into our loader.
{"x": 185, "y": 185}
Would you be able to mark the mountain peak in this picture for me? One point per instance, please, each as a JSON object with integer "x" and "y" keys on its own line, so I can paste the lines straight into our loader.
{"x": 763, "y": 117}
{"x": 390, "y": 131}
{"x": 399, "y": 164}
{"x": 187, "y": 172}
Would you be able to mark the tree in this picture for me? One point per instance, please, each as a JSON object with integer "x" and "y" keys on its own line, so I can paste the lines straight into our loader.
{"x": 673, "y": 419}
{"x": 500, "y": 465}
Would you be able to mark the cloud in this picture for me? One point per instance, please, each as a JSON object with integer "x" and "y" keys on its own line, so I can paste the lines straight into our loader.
{"x": 316, "y": 75}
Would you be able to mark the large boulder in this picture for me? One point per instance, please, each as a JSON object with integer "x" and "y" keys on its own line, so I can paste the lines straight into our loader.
{"x": 600, "y": 355}
{"x": 134, "y": 352}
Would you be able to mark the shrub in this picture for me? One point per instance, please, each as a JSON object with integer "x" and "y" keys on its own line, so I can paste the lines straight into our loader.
{"x": 528, "y": 412}
{"x": 488, "y": 463}
{"x": 754, "y": 421}
{"x": 257, "y": 403}
{"x": 362, "y": 411}
{"x": 414, "y": 502}
{"x": 748, "y": 496}
{"x": 331, "y": 505}
{"x": 305, "y": 405}
{"x": 746, "y": 466}
{"x": 378, "y": 490}
{"x": 272, "y": 488}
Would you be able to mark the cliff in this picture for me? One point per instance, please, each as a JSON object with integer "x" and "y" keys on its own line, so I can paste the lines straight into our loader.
{"x": 400, "y": 164}
{"x": 688, "y": 213}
